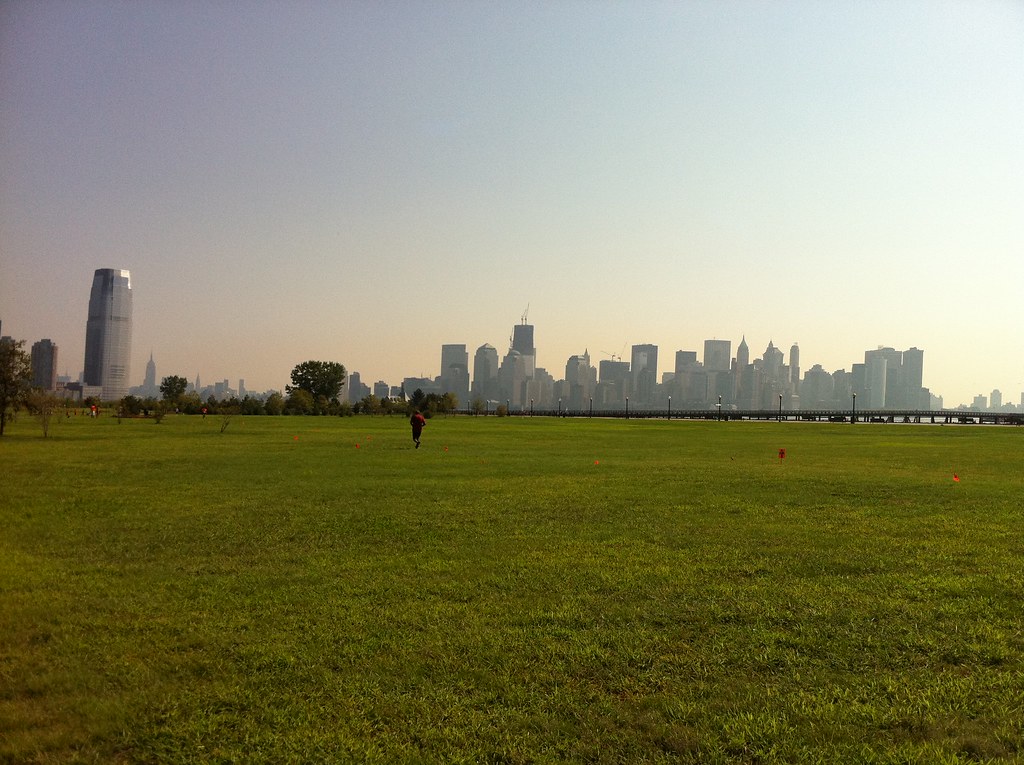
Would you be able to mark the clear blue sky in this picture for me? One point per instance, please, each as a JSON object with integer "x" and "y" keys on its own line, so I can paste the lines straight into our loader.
{"x": 364, "y": 181}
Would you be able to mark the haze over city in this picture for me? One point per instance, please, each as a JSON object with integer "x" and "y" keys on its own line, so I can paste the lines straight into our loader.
{"x": 365, "y": 182}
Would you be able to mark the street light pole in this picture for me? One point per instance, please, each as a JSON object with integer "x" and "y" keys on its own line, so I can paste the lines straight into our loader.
{"x": 780, "y": 407}
{"x": 627, "y": 407}
{"x": 853, "y": 419}
{"x": 591, "y": 406}
{"x": 670, "y": 407}
{"x": 719, "y": 408}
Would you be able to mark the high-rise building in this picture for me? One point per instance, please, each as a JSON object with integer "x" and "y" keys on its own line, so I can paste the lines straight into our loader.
{"x": 581, "y": 379}
{"x": 794, "y": 366}
{"x": 454, "y": 377}
{"x": 485, "y": 373}
{"x": 685, "y": 361}
{"x": 644, "y": 371}
{"x": 44, "y": 364}
{"x": 742, "y": 353}
{"x": 995, "y": 400}
{"x": 108, "y": 333}
{"x": 149, "y": 386}
{"x": 522, "y": 342}
{"x": 717, "y": 355}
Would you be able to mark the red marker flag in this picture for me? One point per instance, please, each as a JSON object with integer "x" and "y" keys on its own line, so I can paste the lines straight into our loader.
{"x": 956, "y": 478}
{"x": 782, "y": 454}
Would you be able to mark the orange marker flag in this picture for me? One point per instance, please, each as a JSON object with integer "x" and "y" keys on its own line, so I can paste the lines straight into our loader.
{"x": 956, "y": 478}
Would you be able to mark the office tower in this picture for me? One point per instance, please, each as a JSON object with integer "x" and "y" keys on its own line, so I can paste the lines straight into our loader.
{"x": 242, "y": 392}
{"x": 717, "y": 355}
{"x": 794, "y": 366}
{"x": 685, "y": 361}
{"x": 614, "y": 383}
{"x": 995, "y": 401}
{"x": 455, "y": 372}
{"x": 913, "y": 367}
{"x": 354, "y": 384}
{"x": 644, "y": 373}
{"x": 522, "y": 342}
{"x": 742, "y": 353}
{"x": 915, "y": 395}
{"x": 581, "y": 379}
{"x": 886, "y": 388}
{"x": 108, "y": 333}
{"x": 485, "y": 373}
{"x": 44, "y": 365}
{"x": 149, "y": 386}
{"x": 381, "y": 389}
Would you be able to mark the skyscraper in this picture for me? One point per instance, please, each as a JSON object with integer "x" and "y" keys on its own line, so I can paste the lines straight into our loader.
{"x": 108, "y": 333}
{"x": 485, "y": 373}
{"x": 717, "y": 355}
{"x": 44, "y": 365}
{"x": 522, "y": 341}
{"x": 454, "y": 377}
{"x": 644, "y": 371}
{"x": 149, "y": 386}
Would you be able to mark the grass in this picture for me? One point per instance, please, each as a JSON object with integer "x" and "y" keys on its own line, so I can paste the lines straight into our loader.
{"x": 517, "y": 590}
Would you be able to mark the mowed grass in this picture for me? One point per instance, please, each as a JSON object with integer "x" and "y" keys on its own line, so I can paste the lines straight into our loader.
{"x": 517, "y": 590}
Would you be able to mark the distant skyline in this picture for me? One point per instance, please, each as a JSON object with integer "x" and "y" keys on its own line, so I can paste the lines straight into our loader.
{"x": 364, "y": 183}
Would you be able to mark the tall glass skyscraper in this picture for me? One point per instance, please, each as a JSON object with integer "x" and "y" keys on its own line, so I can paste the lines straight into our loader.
{"x": 108, "y": 333}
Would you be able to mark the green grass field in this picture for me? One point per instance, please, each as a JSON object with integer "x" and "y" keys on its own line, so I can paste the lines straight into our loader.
{"x": 517, "y": 590}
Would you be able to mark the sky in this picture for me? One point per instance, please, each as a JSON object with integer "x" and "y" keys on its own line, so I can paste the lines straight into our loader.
{"x": 363, "y": 182}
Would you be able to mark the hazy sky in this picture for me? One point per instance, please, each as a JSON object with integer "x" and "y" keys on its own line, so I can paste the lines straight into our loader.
{"x": 364, "y": 181}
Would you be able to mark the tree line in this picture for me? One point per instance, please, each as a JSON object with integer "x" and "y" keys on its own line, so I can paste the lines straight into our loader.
{"x": 315, "y": 389}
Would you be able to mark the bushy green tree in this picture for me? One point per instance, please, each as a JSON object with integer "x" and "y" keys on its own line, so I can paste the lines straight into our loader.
{"x": 274, "y": 404}
{"x": 300, "y": 401}
{"x": 250, "y": 405}
{"x": 172, "y": 388}
{"x": 15, "y": 379}
{"x": 130, "y": 406}
{"x": 321, "y": 379}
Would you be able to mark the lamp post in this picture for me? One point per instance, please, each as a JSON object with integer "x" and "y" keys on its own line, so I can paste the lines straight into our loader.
{"x": 591, "y": 406}
{"x": 670, "y": 407}
{"x": 508, "y": 410}
{"x": 559, "y": 407}
{"x": 627, "y": 407}
{"x": 780, "y": 407}
{"x": 853, "y": 419}
{"x": 531, "y": 407}
{"x": 719, "y": 408}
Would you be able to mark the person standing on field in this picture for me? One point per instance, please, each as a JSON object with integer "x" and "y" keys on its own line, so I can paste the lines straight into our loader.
{"x": 418, "y": 423}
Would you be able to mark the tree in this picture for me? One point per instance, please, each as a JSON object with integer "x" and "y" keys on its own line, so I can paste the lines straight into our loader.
{"x": 322, "y": 380}
{"x": 43, "y": 405}
{"x": 418, "y": 400}
{"x": 173, "y": 388}
{"x": 300, "y": 401}
{"x": 131, "y": 406}
{"x": 15, "y": 379}
{"x": 449, "y": 403}
{"x": 274, "y": 404}
{"x": 370, "y": 405}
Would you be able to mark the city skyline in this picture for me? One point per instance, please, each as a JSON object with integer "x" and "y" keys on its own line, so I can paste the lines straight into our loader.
{"x": 367, "y": 182}
{"x": 641, "y": 377}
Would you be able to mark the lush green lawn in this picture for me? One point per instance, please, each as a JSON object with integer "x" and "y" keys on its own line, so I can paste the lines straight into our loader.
{"x": 517, "y": 590}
